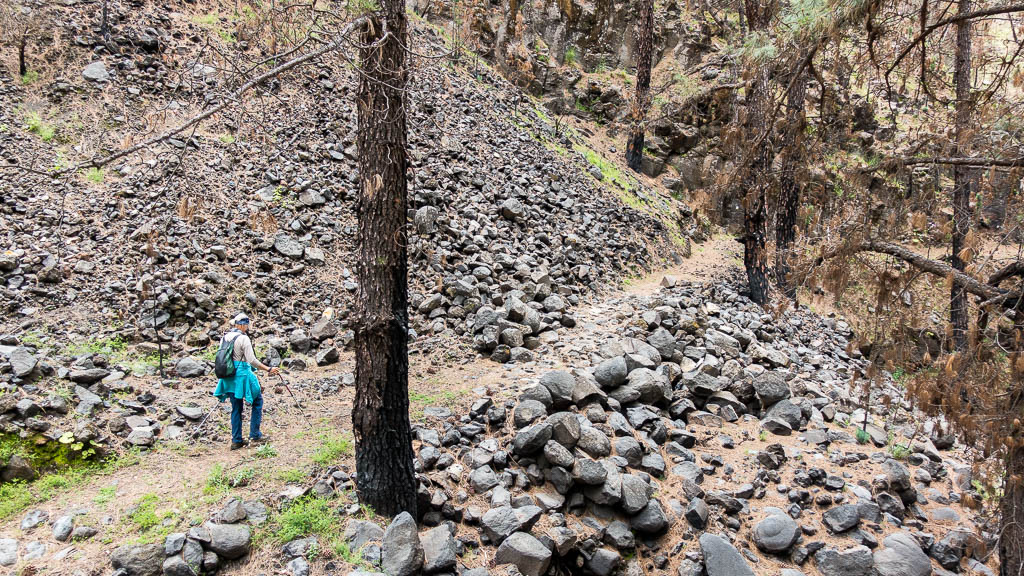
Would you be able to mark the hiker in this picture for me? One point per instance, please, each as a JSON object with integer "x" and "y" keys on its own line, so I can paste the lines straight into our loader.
{"x": 242, "y": 386}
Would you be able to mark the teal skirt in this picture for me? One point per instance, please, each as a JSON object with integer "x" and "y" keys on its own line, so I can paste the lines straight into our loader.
{"x": 243, "y": 385}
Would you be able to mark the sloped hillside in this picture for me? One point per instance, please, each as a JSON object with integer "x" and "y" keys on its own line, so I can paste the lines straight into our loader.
{"x": 254, "y": 209}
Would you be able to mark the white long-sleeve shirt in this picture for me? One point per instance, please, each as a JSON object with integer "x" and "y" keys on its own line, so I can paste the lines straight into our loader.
{"x": 242, "y": 350}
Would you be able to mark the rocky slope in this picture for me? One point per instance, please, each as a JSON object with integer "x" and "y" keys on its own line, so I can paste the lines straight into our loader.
{"x": 257, "y": 214}
{"x": 686, "y": 432}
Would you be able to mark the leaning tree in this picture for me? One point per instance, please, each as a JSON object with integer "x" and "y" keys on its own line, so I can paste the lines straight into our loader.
{"x": 385, "y": 476}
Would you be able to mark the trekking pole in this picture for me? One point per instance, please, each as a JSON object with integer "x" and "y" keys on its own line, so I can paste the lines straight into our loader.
{"x": 289, "y": 389}
{"x": 199, "y": 428}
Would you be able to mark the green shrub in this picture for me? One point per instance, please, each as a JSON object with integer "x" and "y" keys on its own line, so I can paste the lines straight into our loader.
{"x": 332, "y": 448}
{"x": 570, "y": 56}
{"x": 304, "y": 517}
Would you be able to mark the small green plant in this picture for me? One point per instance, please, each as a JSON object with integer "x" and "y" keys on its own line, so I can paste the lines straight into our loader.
{"x": 226, "y": 138}
{"x": 304, "y": 517}
{"x": 899, "y": 451}
{"x": 29, "y": 77}
{"x": 570, "y": 56}
{"x": 94, "y": 175}
{"x": 862, "y": 436}
{"x": 105, "y": 495}
{"x": 762, "y": 435}
{"x": 40, "y": 127}
{"x": 221, "y": 480}
{"x": 266, "y": 451}
{"x": 281, "y": 197}
{"x": 207, "y": 20}
{"x": 291, "y": 475}
{"x": 151, "y": 522}
{"x": 332, "y": 447}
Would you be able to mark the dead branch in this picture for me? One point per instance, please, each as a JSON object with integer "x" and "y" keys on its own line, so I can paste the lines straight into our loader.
{"x": 235, "y": 96}
{"x": 936, "y": 267}
{"x": 995, "y": 10}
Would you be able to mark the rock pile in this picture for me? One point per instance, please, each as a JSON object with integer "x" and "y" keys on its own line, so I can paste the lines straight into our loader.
{"x": 592, "y": 466}
{"x": 495, "y": 216}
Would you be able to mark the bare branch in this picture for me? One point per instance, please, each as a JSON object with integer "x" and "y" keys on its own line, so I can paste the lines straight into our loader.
{"x": 233, "y": 97}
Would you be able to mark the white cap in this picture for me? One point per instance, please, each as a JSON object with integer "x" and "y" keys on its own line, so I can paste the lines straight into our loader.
{"x": 240, "y": 319}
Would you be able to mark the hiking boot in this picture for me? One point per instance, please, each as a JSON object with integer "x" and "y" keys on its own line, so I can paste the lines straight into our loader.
{"x": 237, "y": 445}
{"x": 261, "y": 440}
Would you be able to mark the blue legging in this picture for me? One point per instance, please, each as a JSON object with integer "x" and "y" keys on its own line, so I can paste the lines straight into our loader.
{"x": 254, "y": 420}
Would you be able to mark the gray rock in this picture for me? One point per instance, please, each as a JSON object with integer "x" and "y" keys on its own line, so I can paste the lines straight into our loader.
{"x": 438, "y": 549}
{"x": 776, "y": 534}
{"x": 174, "y": 543}
{"x": 611, "y": 373}
{"x": 17, "y": 468}
{"x": 62, "y": 528}
{"x": 604, "y": 562}
{"x": 594, "y": 442}
{"x": 531, "y": 439}
{"x": 777, "y": 426}
{"x": 651, "y": 520}
{"x": 856, "y": 561}
{"x": 501, "y": 522}
{"x": 88, "y": 375}
{"x": 8, "y": 551}
{"x": 609, "y": 492}
{"x": 588, "y": 472}
{"x": 528, "y": 554}
{"x": 697, "y": 513}
{"x": 902, "y": 556}
{"x": 298, "y": 567}
{"x": 87, "y": 401}
{"x": 402, "y": 552}
{"x": 138, "y": 559}
{"x": 22, "y": 362}
{"x": 527, "y": 412}
{"x": 190, "y": 412}
{"x": 96, "y": 72}
{"x": 83, "y": 533}
{"x": 34, "y": 550}
{"x": 841, "y": 518}
{"x": 189, "y": 367}
{"x": 232, "y": 512}
{"x": 302, "y": 546}
{"x": 721, "y": 558}
{"x": 229, "y": 540}
{"x": 33, "y": 519}
{"x": 558, "y": 455}
{"x": 177, "y": 566}
{"x": 771, "y": 387}
{"x": 289, "y": 246}
{"x": 560, "y": 384}
{"x": 635, "y": 493}
{"x": 483, "y": 479}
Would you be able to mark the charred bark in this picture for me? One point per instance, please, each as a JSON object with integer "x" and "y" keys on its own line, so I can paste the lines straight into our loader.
{"x": 789, "y": 188}
{"x": 385, "y": 477}
{"x": 22, "y": 67}
{"x": 755, "y": 181}
{"x": 642, "y": 99}
{"x": 1011, "y": 539}
{"x": 959, "y": 315}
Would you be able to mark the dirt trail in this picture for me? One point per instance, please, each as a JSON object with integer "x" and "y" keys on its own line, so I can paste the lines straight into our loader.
{"x": 185, "y": 477}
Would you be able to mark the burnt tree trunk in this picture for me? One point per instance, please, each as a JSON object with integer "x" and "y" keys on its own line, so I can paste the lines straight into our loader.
{"x": 1011, "y": 508}
{"x": 22, "y": 67}
{"x": 789, "y": 188}
{"x": 380, "y": 415}
{"x": 642, "y": 99}
{"x": 962, "y": 185}
{"x": 755, "y": 180}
